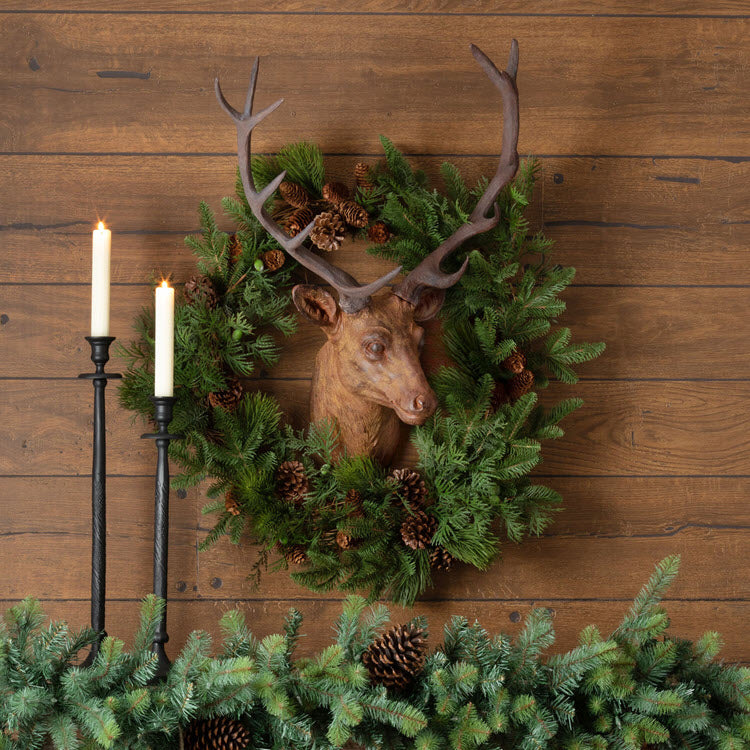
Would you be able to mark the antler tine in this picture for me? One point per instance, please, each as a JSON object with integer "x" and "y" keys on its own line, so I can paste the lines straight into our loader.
{"x": 428, "y": 274}
{"x": 353, "y": 296}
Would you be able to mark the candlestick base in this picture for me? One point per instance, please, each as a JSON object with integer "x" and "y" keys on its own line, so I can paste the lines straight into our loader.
{"x": 99, "y": 356}
{"x": 163, "y": 411}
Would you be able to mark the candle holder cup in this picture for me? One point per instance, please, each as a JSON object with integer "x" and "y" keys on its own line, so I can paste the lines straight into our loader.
{"x": 163, "y": 412}
{"x": 99, "y": 356}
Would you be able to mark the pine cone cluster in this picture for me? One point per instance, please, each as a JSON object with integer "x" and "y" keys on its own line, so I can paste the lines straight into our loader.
{"x": 229, "y": 398}
{"x": 201, "y": 290}
{"x": 291, "y": 482}
{"x": 519, "y": 385}
{"x": 335, "y": 192}
{"x": 441, "y": 559}
{"x": 397, "y": 657}
{"x": 294, "y": 194}
{"x": 328, "y": 232}
{"x": 231, "y": 503}
{"x": 298, "y": 220}
{"x": 273, "y": 260}
{"x": 411, "y": 486}
{"x": 221, "y": 733}
{"x": 418, "y": 529}
{"x": 378, "y": 233}
{"x": 362, "y": 176}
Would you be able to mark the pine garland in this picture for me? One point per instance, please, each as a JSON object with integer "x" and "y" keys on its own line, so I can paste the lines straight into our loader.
{"x": 638, "y": 688}
{"x": 475, "y": 454}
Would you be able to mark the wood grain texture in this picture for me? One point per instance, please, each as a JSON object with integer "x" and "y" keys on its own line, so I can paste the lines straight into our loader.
{"x": 634, "y": 221}
{"x": 639, "y": 113}
{"x": 398, "y": 8}
{"x": 582, "y": 79}
{"x": 625, "y": 428}
{"x": 664, "y": 333}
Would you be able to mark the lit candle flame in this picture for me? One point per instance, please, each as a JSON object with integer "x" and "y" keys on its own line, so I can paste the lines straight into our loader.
{"x": 165, "y": 285}
{"x": 101, "y": 226}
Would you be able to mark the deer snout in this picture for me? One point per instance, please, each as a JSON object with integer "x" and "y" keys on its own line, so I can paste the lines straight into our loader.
{"x": 419, "y": 409}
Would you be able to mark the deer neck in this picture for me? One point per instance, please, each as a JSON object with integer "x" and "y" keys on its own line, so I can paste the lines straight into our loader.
{"x": 365, "y": 426}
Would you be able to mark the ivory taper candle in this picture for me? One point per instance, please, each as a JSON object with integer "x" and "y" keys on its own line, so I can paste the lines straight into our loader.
{"x": 164, "y": 349}
{"x": 100, "y": 256}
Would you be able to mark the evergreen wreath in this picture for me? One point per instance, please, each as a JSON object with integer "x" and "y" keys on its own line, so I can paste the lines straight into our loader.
{"x": 349, "y": 523}
{"x": 638, "y": 688}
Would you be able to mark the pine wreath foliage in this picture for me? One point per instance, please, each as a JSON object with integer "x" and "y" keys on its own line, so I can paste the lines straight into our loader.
{"x": 640, "y": 687}
{"x": 475, "y": 454}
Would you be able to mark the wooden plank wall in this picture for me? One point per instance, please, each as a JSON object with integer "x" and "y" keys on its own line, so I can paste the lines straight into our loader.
{"x": 638, "y": 111}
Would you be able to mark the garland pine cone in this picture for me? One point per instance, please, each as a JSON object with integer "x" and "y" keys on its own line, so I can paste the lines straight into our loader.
{"x": 343, "y": 539}
{"x": 378, "y": 233}
{"x": 515, "y": 362}
{"x": 273, "y": 260}
{"x": 441, "y": 559}
{"x": 298, "y": 220}
{"x": 411, "y": 486}
{"x": 397, "y": 657}
{"x": 201, "y": 290}
{"x": 519, "y": 385}
{"x": 291, "y": 482}
{"x": 328, "y": 232}
{"x": 354, "y": 214}
{"x": 221, "y": 733}
{"x": 229, "y": 398}
{"x": 231, "y": 503}
{"x": 295, "y": 555}
{"x": 335, "y": 192}
{"x": 294, "y": 194}
{"x": 418, "y": 529}
{"x": 362, "y": 176}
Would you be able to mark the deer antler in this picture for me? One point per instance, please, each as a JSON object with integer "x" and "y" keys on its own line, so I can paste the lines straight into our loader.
{"x": 353, "y": 296}
{"x": 428, "y": 274}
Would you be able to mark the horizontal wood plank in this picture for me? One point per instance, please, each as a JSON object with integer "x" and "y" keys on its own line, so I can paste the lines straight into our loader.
{"x": 625, "y": 428}
{"x": 143, "y": 83}
{"x": 619, "y": 221}
{"x": 396, "y": 7}
{"x": 689, "y": 619}
{"x": 666, "y": 333}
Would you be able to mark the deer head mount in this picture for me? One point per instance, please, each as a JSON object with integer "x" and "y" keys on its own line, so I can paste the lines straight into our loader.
{"x": 368, "y": 377}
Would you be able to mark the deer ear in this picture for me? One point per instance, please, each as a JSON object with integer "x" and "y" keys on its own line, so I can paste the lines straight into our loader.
{"x": 316, "y": 304}
{"x": 430, "y": 302}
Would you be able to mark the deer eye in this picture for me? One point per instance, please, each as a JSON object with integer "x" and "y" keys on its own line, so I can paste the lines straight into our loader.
{"x": 374, "y": 349}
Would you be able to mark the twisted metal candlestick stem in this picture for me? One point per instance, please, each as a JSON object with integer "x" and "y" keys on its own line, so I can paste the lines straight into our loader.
{"x": 99, "y": 356}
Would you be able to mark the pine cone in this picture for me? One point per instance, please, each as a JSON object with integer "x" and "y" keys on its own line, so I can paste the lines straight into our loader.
{"x": 411, "y": 487}
{"x": 273, "y": 259}
{"x": 291, "y": 482}
{"x": 362, "y": 176}
{"x": 229, "y": 398}
{"x": 235, "y": 248}
{"x": 520, "y": 384}
{"x": 201, "y": 290}
{"x": 418, "y": 529}
{"x": 354, "y": 214}
{"x": 378, "y": 233}
{"x": 353, "y": 502}
{"x": 328, "y": 232}
{"x": 221, "y": 733}
{"x": 343, "y": 539}
{"x": 397, "y": 657}
{"x": 231, "y": 503}
{"x": 298, "y": 220}
{"x": 294, "y": 194}
{"x": 335, "y": 192}
{"x": 295, "y": 555}
{"x": 515, "y": 362}
{"x": 441, "y": 559}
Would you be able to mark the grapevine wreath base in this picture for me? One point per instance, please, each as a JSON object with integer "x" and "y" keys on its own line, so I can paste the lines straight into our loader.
{"x": 639, "y": 688}
{"x": 345, "y": 521}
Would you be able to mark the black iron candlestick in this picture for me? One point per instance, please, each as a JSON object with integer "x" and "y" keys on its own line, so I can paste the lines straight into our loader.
{"x": 163, "y": 410}
{"x": 99, "y": 356}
